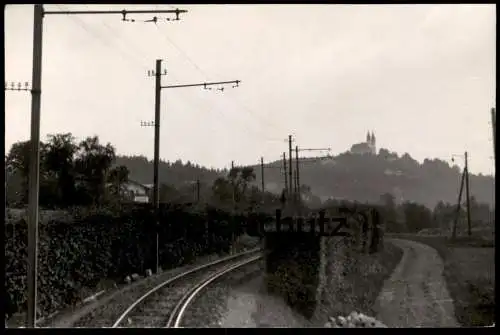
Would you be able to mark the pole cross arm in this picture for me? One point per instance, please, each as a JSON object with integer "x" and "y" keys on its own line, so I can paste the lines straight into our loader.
{"x": 123, "y": 12}
{"x": 236, "y": 82}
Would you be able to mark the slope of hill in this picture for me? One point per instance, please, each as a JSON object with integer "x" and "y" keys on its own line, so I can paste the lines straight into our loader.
{"x": 366, "y": 177}
{"x": 177, "y": 174}
{"x": 345, "y": 176}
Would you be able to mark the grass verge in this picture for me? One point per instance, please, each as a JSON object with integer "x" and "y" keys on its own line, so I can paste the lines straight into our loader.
{"x": 358, "y": 286}
{"x": 469, "y": 270}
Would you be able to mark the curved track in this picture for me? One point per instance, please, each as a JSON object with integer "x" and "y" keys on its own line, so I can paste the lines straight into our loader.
{"x": 164, "y": 305}
{"x": 176, "y": 317}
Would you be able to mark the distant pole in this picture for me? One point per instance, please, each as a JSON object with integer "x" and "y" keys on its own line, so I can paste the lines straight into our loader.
{"x": 467, "y": 194}
{"x": 290, "y": 165}
{"x": 197, "y": 190}
{"x": 297, "y": 173}
{"x": 231, "y": 249}
{"x": 262, "y": 173}
{"x": 493, "y": 124}
{"x": 232, "y": 184}
{"x": 459, "y": 205}
{"x": 156, "y": 180}
{"x": 34, "y": 163}
{"x": 285, "y": 173}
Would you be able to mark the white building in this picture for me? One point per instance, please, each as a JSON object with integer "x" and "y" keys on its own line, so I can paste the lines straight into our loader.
{"x": 135, "y": 191}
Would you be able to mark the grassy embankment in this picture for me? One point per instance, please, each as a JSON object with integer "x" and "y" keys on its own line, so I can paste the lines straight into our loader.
{"x": 469, "y": 270}
{"x": 354, "y": 283}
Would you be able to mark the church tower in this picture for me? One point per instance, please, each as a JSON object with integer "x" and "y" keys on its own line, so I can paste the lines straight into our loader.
{"x": 373, "y": 144}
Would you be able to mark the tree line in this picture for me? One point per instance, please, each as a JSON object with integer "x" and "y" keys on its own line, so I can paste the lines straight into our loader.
{"x": 412, "y": 217}
{"x": 89, "y": 173}
{"x": 72, "y": 173}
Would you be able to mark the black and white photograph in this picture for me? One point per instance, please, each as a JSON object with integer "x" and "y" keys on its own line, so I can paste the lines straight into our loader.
{"x": 246, "y": 165}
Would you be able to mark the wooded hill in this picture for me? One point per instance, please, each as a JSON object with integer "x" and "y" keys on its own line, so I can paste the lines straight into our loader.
{"x": 345, "y": 176}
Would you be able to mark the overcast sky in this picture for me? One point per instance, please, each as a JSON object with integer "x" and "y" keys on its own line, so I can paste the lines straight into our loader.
{"x": 422, "y": 77}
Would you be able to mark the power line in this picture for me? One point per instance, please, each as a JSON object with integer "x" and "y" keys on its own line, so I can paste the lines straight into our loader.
{"x": 140, "y": 59}
{"x": 108, "y": 43}
{"x": 203, "y": 73}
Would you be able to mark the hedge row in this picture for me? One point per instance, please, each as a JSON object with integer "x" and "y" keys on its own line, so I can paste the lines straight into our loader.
{"x": 78, "y": 253}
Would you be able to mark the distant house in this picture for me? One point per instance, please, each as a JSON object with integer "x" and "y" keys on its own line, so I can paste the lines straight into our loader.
{"x": 135, "y": 191}
{"x": 138, "y": 192}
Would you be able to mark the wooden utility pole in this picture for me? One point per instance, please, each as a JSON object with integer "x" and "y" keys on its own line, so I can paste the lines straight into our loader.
{"x": 467, "y": 194}
{"x": 232, "y": 185}
{"x": 290, "y": 165}
{"x": 156, "y": 180}
{"x": 159, "y": 87}
{"x": 34, "y": 164}
{"x": 493, "y": 125}
{"x": 285, "y": 173}
{"x": 459, "y": 205}
{"x": 297, "y": 175}
{"x": 38, "y": 15}
{"x": 262, "y": 173}
{"x": 35, "y": 142}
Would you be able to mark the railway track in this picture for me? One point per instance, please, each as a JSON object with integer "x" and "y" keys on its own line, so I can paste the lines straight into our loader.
{"x": 164, "y": 305}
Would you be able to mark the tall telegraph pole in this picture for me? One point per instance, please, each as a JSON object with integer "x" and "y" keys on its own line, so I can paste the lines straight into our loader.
{"x": 493, "y": 124}
{"x": 467, "y": 194}
{"x": 284, "y": 169}
{"x": 158, "y": 87}
{"x": 156, "y": 181}
{"x": 262, "y": 173}
{"x": 34, "y": 175}
{"x": 290, "y": 165}
{"x": 297, "y": 173}
{"x": 459, "y": 205}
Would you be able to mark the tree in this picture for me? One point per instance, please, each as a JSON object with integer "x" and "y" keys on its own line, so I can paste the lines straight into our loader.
{"x": 417, "y": 217}
{"x": 240, "y": 179}
{"x": 92, "y": 164}
{"x": 118, "y": 176}
{"x": 222, "y": 190}
{"x": 59, "y": 164}
{"x": 18, "y": 161}
{"x": 389, "y": 212}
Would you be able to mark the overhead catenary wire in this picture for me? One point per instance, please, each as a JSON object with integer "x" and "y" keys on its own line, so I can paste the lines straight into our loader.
{"x": 205, "y": 75}
{"x": 107, "y": 42}
{"x": 139, "y": 59}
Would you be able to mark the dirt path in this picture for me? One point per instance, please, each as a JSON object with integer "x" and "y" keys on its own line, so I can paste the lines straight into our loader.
{"x": 416, "y": 294}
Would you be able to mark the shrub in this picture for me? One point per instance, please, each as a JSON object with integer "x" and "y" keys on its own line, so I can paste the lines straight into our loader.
{"x": 80, "y": 249}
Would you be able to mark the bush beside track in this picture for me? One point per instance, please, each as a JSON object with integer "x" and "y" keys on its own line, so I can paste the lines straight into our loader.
{"x": 77, "y": 252}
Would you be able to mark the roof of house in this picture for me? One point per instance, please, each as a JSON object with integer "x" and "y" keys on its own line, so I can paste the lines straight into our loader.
{"x": 147, "y": 186}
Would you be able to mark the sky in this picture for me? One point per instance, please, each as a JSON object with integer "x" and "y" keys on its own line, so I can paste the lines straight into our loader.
{"x": 421, "y": 77}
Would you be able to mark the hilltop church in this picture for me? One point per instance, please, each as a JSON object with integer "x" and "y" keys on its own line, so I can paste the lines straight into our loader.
{"x": 368, "y": 147}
